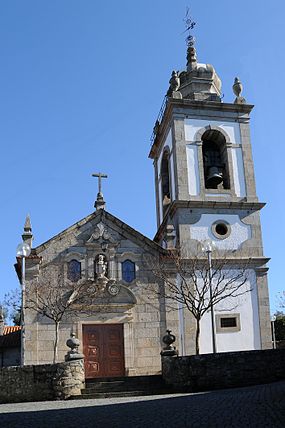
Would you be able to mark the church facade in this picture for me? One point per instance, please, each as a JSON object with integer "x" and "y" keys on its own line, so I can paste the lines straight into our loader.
{"x": 205, "y": 190}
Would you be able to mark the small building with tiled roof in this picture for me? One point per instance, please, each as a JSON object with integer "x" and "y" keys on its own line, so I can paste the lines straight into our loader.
{"x": 10, "y": 345}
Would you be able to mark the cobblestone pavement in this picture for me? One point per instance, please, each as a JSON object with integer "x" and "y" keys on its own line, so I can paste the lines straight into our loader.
{"x": 257, "y": 406}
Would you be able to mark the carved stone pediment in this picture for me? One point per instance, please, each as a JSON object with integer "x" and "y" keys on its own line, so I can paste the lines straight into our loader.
{"x": 101, "y": 233}
{"x": 108, "y": 294}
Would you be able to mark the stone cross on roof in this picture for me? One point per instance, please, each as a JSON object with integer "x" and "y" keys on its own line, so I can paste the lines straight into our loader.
{"x": 99, "y": 203}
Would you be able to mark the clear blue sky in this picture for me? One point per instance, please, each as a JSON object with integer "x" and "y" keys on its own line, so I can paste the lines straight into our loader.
{"x": 81, "y": 85}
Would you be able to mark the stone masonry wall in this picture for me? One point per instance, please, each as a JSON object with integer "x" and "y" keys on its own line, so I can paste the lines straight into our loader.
{"x": 224, "y": 370}
{"x": 41, "y": 382}
{"x": 141, "y": 313}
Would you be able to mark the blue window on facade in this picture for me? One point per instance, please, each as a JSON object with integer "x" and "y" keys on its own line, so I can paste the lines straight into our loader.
{"x": 128, "y": 271}
{"x": 74, "y": 270}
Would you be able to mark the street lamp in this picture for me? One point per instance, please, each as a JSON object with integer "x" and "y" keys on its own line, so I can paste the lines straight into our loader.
{"x": 273, "y": 319}
{"x": 23, "y": 250}
{"x": 207, "y": 247}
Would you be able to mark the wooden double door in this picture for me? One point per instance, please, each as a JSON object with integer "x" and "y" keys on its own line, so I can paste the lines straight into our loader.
{"x": 103, "y": 348}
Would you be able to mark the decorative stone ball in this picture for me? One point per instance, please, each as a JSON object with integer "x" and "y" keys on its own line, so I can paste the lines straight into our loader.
{"x": 73, "y": 343}
{"x": 237, "y": 87}
{"x": 169, "y": 338}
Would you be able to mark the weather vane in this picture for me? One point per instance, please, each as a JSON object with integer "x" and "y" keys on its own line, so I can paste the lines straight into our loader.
{"x": 189, "y": 24}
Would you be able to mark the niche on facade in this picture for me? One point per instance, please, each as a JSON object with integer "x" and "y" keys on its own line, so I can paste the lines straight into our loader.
{"x": 215, "y": 160}
{"x": 165, "y": 181}
{"x": 100, "y": 266}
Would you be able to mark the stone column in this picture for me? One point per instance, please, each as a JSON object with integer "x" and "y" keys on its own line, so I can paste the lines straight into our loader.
{"x": 70, "y": 376}
{"x": 69, "y": 379}
{"x": 264, "y": 311}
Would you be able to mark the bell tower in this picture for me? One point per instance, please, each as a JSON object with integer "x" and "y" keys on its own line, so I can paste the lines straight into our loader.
{"x": 204, "y": 175}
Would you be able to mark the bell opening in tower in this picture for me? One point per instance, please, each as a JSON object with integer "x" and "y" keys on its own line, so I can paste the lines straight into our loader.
{"x": 215, "y": 160}
{"x": 165, "y": 181}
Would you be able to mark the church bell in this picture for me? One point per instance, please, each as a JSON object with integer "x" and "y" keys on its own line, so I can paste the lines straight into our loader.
{"x": 214, "y": 177}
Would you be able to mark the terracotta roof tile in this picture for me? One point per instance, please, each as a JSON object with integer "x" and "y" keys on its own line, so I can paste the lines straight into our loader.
{"x": 11, "y": 329}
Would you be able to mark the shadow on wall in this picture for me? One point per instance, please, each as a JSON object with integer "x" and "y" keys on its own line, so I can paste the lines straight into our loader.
{"x": 224, "y": 370}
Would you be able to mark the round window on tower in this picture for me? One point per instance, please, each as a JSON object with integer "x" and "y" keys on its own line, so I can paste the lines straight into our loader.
{"x": 221, "y": 229}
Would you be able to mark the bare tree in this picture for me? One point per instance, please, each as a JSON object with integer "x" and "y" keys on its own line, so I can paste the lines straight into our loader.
{"x": 187, "y": 282}
{"x": 281, "y": 299}
{"x": 52, "y": 297}
{"x": 12, "y": 305}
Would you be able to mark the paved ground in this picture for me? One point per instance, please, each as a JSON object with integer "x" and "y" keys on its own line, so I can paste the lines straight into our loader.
{"x": 258, "y": 406}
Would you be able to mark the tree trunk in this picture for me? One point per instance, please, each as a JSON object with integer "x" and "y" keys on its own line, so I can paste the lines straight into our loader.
{"x": 55, "y": 342}
{"x": 197, "y": 336}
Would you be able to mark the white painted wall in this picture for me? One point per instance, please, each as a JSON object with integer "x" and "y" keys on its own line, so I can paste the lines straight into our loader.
{"x": 238, "y": 172}
{"x": 171, "y": 166}
{"x": 192, "y": 126}
{"x": 193, "y": 169}
{"x": 202, "y": 230}
{"x": 248, "y": 337}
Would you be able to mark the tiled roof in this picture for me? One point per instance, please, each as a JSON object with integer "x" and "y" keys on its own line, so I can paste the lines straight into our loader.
{"x": 11, "y": 329}
{"x": 11, "y": 337}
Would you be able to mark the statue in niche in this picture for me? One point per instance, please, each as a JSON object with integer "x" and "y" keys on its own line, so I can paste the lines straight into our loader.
{"x": 101, "y": 276}
{"x": 101, "y": 267}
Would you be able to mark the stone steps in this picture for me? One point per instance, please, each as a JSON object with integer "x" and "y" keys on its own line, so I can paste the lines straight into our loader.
{"x": 124, "y": 387}
{"x": 121, "y": 394}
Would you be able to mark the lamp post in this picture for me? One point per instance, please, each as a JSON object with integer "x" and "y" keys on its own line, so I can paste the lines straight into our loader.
{"x": 207, "y": 247}
{"x": 23, "y": 251}
{"x": 273, "y": 319}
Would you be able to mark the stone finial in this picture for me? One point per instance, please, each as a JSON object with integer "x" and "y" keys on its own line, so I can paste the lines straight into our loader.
{"x": 168, "y": 340}
{"x": 174, "y": 81}
{"x": 191, "y": 58}
{"x": 27, "y": 225}
{"x": 73, "y": 343}
{"x": 100, "y": 203}
{"x": 174, "y": 85}
{"x": 237, "y": 90}
{"x": 28, "y": 235}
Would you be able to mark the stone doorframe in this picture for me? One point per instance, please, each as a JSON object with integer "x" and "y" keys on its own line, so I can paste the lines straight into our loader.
{"x": 129, "y": 350}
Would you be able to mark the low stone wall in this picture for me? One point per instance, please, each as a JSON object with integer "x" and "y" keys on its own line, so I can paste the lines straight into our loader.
{"x": 41, "y": 382}
{"x": 224, "y": 370}
{"x": 280, "y": 344}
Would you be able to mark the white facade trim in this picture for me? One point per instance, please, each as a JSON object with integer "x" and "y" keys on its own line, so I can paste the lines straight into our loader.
{"x": 202, "y": 230}
{"x": 193, "y": 170}
{"x": 192, "y": 126}
{"x": 238, "y": 172}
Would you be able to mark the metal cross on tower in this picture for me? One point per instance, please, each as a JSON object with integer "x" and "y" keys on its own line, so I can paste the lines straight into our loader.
{"x": 99, "y": 203}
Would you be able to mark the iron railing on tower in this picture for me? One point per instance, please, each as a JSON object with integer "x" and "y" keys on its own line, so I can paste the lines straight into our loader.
{"x": 159, "y": 119}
